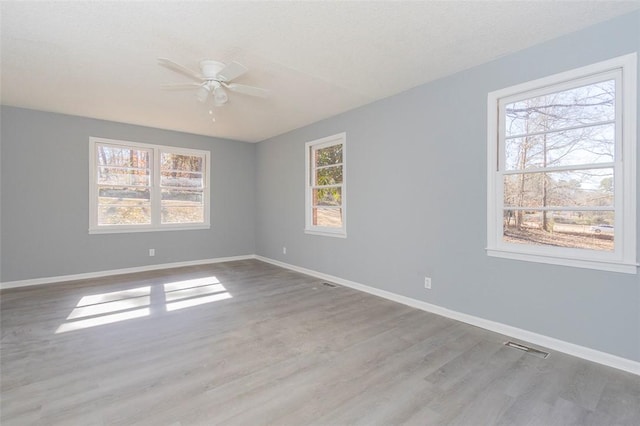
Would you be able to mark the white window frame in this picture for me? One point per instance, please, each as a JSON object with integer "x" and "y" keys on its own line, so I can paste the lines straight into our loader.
{"x": 310, "y": 228}
{"x": 155, "y": 188}
{"x": 623, "y": 258}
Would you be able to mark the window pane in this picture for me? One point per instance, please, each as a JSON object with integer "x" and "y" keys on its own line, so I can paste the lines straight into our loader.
{"x": 573, "y": 229}
{"x": 329, "y": 175}
{"x": 329, "y": 155}
{"x": 593, "y": 188}
{"x": 589, "y": 104}
{"x": 123, "y": 176}
{"x": 182, "y": 214}
{"x": 123, "y": 215}
{"x": 182, "y": 206}
{"x": 122, "y": 157}
{"x": 181, "y": 179}
{"x": 180, "y": 162}
{"x": 181, "y": 171}
{"x": 124, "y": 206}
{"x": 327, "y": 197}
{"x": 588, "y": 145}
{"x": 330, "y": 217}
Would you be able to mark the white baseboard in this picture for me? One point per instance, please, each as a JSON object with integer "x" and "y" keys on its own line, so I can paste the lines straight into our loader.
{"x": 74, "y": 277}
{"x": 517, "y": 333}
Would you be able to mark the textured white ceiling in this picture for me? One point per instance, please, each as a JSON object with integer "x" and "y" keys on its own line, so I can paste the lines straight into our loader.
{"x": 98, "y": 59}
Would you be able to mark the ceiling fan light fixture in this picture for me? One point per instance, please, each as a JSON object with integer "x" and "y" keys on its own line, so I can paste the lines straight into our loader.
{"x": 219, "y": 96}
{"x": 203, "y": 93}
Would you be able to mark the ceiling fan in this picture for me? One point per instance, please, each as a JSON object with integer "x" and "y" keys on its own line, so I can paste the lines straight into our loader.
{"x": 213, "y": 79}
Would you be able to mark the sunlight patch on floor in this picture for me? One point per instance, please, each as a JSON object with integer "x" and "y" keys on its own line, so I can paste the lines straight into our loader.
{"x": 197, "y": 282}
{"x": 197, "y": 301}
{"x": 108, "y": 308}
{"x": 185, "y": 294}
{"x": 193, "y": 292}
{"x": 115, "y": 295}
{"x": 102, "y": 320}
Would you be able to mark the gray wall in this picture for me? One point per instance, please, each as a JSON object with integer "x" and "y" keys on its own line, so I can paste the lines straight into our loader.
{"x": 45, "y": 186}
{"x": 417, "y": 204}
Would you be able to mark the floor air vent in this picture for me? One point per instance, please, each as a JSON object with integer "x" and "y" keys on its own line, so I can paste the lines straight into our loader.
{"x": 330, "y": 285}
{"x": 527, "y": 349}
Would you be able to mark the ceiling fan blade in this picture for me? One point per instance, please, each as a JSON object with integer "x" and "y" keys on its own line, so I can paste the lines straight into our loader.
{"x": 185, "y": 86}
{"x": 232, "y": 71}
{"x": 179, "y": 68}
{"x": 248, "y": 90}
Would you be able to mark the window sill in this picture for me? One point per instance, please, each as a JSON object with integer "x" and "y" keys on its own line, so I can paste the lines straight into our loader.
{"x": 626, "y": 268}
{"x": 325, "y": 233}
{"x": 119, "y": 230}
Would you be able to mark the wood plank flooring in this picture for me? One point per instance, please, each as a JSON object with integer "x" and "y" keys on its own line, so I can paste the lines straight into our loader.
{"x": 248, "y": 343}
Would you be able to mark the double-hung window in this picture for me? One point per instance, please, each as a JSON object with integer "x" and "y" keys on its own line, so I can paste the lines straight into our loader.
{"x": 561, "y": 168}
{"x": 326, "y": 186}
{"x": 142, "y": 187}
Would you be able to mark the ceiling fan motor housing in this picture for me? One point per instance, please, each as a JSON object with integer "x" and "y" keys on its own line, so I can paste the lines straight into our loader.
{"x": 210, "y": 69}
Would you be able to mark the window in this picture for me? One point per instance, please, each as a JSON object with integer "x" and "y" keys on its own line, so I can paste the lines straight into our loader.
{"x": 326, "y": 186}
{"x": 140, "y": 187}
{"x": 561, "y": 168}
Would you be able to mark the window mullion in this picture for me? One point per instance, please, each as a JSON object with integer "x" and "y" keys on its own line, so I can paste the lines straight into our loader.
{"x": 500, "y": 140}
{"x": 532, "y": 170}
{"x": 156, "y": 191}
{"x": 328, "y": 166}
{"x": 335, "y": 185}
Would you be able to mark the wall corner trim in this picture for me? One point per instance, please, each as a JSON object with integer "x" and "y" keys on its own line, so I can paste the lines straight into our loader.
{"x": 583, "y": 352}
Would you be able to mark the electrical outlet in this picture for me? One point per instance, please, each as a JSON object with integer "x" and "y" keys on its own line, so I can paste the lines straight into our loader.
{"x": 427, "y": 283}
{"x": 284, "y": 250}
{"x": 152, "y": 252}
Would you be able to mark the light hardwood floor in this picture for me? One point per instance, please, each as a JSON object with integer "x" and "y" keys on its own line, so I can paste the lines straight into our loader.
{"x": 271, "y": 346}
